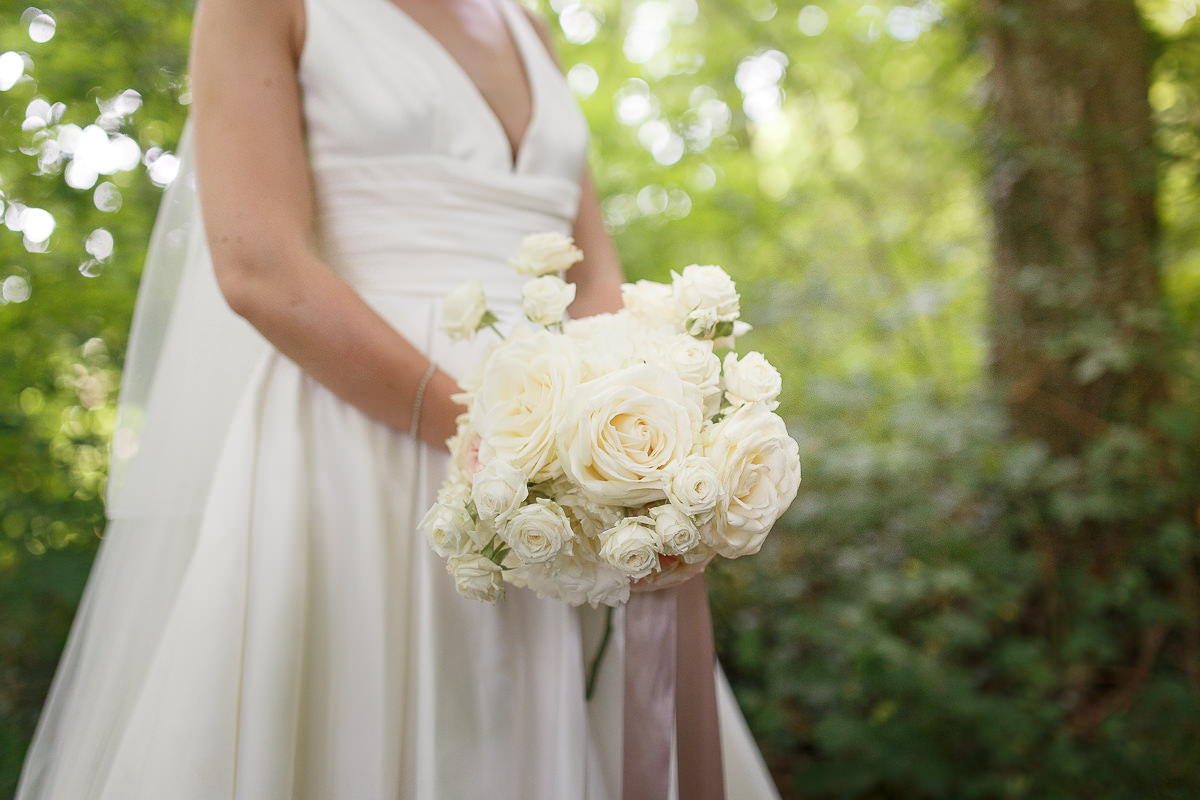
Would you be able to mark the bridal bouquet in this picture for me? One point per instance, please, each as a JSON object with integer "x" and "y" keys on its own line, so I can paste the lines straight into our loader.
{"x": 599, "y": 451}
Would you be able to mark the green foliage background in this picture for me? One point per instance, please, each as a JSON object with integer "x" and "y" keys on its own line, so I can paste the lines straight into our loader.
{"x": 831, "y": 155}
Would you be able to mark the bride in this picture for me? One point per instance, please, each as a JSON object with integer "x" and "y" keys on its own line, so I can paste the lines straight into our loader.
{"x": 263, "y": 620}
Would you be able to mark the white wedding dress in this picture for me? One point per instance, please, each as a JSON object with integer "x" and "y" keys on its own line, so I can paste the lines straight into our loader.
{"x": 306, "y": 643}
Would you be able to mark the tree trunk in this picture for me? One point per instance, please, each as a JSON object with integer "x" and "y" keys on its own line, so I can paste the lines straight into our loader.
{"x": 1076, "y": 299}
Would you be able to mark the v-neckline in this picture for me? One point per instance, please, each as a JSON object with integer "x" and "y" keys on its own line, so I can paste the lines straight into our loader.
{"x": 515, "y": 152}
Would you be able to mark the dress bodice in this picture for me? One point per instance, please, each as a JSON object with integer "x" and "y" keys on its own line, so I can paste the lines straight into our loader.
{"x": 415, "y": 182}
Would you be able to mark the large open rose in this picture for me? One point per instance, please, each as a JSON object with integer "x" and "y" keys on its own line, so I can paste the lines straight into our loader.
{"x": 522, "y": 393}
{"x": 623, "y": 433}
{"x": 759, "y": 465}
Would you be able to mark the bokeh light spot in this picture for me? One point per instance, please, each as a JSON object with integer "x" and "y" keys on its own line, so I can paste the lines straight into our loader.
{"x": 583, "y": 80}
{"x": 41, "y": 28}
{"x": 15, "y": 289}
{"x": 12, "y": 67}
{"x": 107, "y": 197}
{"x": 812, "y": 20}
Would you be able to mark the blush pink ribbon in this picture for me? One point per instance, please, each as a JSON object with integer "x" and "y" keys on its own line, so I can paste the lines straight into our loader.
{"x": 670, "y": 689}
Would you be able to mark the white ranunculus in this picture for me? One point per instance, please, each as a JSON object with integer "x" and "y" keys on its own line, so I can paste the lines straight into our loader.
{"x": 759, "y": 465}
{"x": 623, "y": 432}
{"x": 537, "y": 532}
{"x": 675, "y": 530}
{"x": 696, "y": 488}
{"x": 544, "y": 253}
{"x": 521, "y": 399}
{"x": 463, "y": 310}
{"x": 751, "y": 379}
{"x": 544, "y": 300}
{"x": 651, "y": 302}
{"x": 476, "y": 576}
{"x": 447, "y": 528}
{"x": 632, "y": 546}
{"x": 705, "y": 296}
{"x": 694, "y": 361}
{"x": 498, "y": 489}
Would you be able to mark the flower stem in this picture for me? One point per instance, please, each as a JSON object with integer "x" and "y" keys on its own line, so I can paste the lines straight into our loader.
{"x": 594, "y": 670}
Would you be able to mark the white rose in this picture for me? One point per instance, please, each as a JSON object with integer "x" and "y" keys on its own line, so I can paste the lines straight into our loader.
{"x": 576, "y": 578}
{"x": 751, "y": 379}
{"x": 605, "y": 343}
{"x": 463, "y": 310}
{"x": 456, "y": 491}
{"x": 759, "y": 465}
{"x": 701, "y": 552}
{"x": 593, "y": 518}
{"x": 702, "y": 322}
{"x": 498, "y": 489}
{"x": 651, "y": 302}
{"x": 544, "y": 300}
{"x": 537, "y": 532}
{"x": 632, "y": 546}
{"x": 476, "y": 577}
{"x": 675, "y": 530}
{"x": 739, "y": 329}
{"x": 543, "y": 253}
{"x": 622, "y": 433}
{"x": 521, "y": 399}
{"x": 447, "y": 529}
{"x": 694, "y": 361}
{"x": 696, "y": 488}
{"x": 705, "y": 297}
{"x": 464, "y": 451}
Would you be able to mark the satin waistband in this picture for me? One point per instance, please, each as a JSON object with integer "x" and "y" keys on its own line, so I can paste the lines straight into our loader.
{"x": 424, "y": 225}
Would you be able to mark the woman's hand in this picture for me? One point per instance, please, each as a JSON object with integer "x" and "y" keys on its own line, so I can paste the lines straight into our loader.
{"x": 674, "y": 572}
{"x": 439, "y": 413}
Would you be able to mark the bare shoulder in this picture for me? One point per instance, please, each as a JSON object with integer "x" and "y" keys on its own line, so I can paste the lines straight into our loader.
{"x": 543, "y": 32}
{"x": 270, "y": 22}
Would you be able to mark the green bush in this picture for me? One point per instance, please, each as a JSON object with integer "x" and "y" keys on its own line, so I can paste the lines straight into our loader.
{"x": 908, "y": 635}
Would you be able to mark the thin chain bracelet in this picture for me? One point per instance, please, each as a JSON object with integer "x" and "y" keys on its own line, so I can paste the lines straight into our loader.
{"x": 419, "y": 398}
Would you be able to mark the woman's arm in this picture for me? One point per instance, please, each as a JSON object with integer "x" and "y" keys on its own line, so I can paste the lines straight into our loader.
{"x": 256, "y": 195}
{"x": 598, "y": 277}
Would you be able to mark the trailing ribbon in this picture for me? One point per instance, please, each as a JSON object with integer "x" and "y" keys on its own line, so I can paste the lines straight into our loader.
{"x": 669, "y": 688}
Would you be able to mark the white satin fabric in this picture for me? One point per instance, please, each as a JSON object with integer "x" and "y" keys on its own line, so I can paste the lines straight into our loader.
{"x": 275, "y": 627}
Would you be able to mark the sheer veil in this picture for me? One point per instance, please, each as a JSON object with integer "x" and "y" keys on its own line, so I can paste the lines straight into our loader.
{"x": 189, "y": 361}
{"x": 189, "y": 358}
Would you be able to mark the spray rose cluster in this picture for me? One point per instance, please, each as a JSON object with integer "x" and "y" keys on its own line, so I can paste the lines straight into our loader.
{"x": 599, "y": 451}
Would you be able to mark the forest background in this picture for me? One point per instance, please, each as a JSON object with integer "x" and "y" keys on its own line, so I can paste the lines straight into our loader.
{"x": 967, "y": 233}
